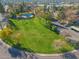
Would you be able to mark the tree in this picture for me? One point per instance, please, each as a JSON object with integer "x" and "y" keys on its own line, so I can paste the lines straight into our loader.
{"x": 48, "y": 20}
{"x": 22, "y": 6}
{"x": 1, "y": 25}
{"x": 1, "y": 8}
{"x": 78, "y": 9}
{"x": 1, "y": 17}
{"x": 46, "y": 8}
{"x": 61, "y": 14}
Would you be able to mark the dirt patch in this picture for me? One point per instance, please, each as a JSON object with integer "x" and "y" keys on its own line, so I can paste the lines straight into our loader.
{"x": 58, "y": 43}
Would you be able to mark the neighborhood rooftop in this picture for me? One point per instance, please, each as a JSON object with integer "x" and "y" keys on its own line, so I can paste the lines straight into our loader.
{"x": 42, "y": 1}
{"x": 3, "y": 19}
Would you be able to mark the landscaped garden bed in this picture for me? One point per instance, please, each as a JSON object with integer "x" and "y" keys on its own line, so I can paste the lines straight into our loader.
{"x": 33, "y": 36}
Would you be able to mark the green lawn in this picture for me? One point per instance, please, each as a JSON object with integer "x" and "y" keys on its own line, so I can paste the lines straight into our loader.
{"x": 34, "y": 36}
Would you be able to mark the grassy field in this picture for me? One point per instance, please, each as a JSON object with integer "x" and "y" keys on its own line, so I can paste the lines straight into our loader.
{"x": 34, "y": 36}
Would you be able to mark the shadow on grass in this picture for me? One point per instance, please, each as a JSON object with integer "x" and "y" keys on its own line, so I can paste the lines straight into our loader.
{"x": 13, "y": 25}
{"x": 18, "y": 46}
{"x": 69, "y": 56}
{"x": 51, "y": 28}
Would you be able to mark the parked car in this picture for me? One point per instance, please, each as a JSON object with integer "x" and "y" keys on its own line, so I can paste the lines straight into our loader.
{"x": 75, "y": 28}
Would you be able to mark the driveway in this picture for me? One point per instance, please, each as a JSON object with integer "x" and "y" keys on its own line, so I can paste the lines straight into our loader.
{"x": 73, "y": 35}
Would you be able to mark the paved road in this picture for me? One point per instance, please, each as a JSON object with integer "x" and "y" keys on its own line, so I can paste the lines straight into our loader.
{"x": 73, "y": 35}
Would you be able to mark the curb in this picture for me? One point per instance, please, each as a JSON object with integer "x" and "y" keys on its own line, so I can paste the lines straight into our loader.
{"x": 40, "y": 54}
{"x": 5, "y": 44}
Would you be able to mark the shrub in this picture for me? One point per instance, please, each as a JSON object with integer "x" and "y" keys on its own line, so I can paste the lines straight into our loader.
{"x": 62, "y": 46}
{"x": 5, "y": 32}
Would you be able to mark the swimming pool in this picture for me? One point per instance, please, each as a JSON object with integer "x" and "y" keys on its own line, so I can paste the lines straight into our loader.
{"x": 26, "y": 15}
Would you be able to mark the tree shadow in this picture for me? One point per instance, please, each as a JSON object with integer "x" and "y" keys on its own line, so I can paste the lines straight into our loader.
{"x": 12, "y": 25}
{"x": 69, "y": 56}
{"x": 18, "y": 46}
{"x": 16, "y": 52}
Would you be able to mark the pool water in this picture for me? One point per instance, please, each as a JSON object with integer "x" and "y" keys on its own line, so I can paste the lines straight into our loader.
{"x": 27, "y": 15}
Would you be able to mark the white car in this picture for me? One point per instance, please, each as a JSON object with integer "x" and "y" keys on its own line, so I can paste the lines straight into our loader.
{"x": 75, "y": 28}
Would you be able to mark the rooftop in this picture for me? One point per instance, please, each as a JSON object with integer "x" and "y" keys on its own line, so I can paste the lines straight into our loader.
{"x": 42, "y": 1}
{"x": 2, "y": 18}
